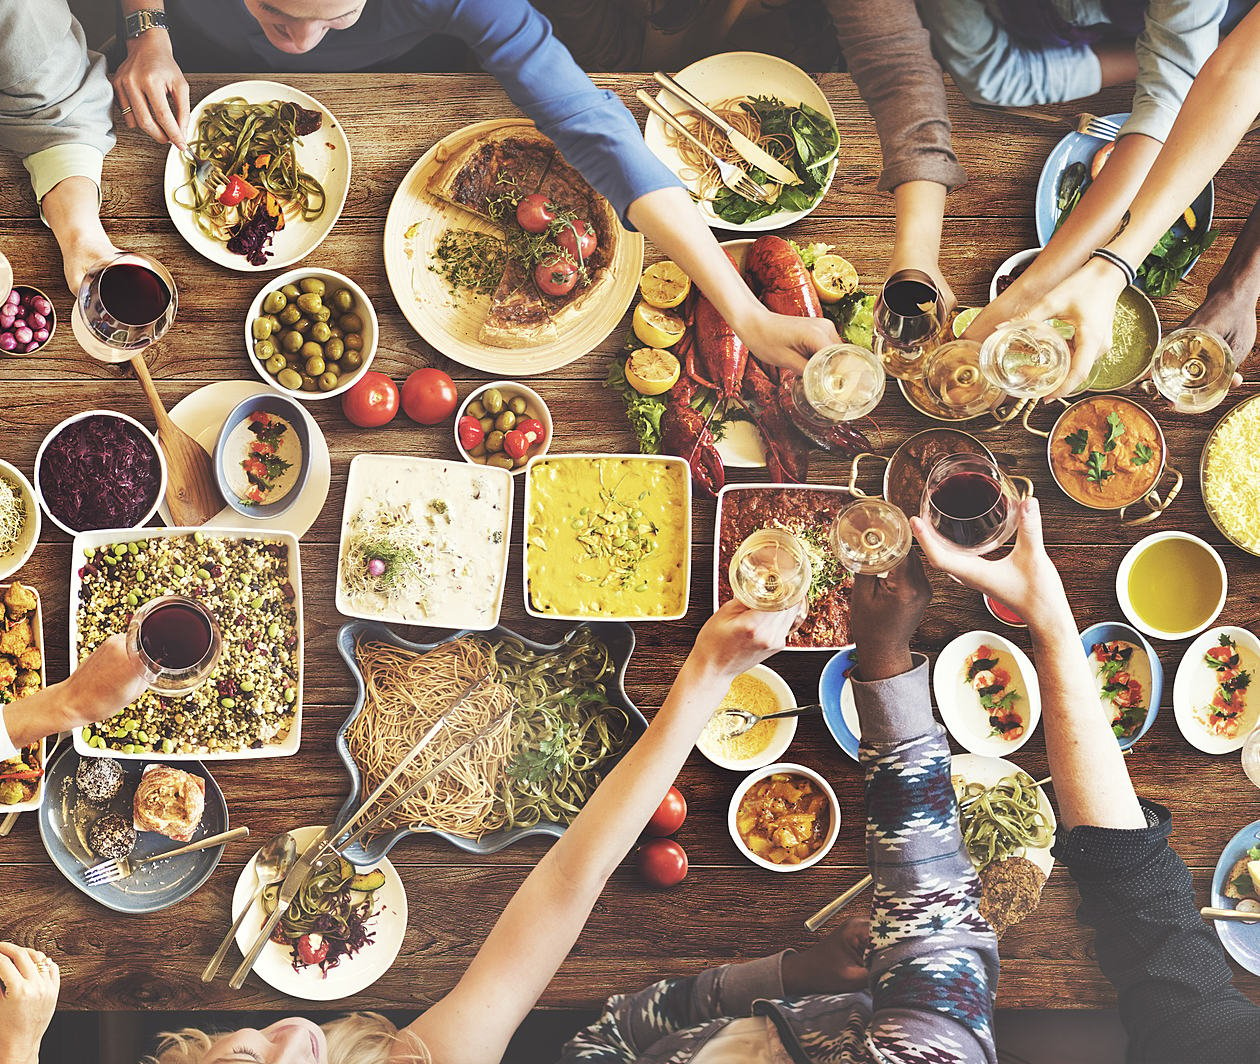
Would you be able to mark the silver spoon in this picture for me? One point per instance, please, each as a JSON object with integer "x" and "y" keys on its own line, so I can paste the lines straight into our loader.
{"x": 273, "y": 862}
{"x": 750, "y": 720}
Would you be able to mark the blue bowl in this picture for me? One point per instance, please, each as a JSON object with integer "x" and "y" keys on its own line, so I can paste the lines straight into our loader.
{"x": 279, "y": 406}
{"x": 1113, "y": 631}
{"x": 1241, "y": 941}
{"x": 831, "y": 684}
{"x": 1077, "y": 147}
{"x": 616, "y": 635}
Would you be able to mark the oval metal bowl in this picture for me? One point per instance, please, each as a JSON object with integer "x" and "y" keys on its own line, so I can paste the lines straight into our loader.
{"x": 616, "y": 635}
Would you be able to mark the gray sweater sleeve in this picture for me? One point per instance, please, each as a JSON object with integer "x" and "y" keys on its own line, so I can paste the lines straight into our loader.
{"x": 54, "y": 97}
{"x": 889, "y": 54}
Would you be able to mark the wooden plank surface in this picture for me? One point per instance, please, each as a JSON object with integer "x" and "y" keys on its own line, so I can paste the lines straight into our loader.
{"x": 726, "y": 909}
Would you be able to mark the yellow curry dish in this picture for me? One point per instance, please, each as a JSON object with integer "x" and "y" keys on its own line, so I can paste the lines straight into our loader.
{"x": 784, "y": 818}
{"x": 1106, "y": 452}
{"x": 607, "y": 537}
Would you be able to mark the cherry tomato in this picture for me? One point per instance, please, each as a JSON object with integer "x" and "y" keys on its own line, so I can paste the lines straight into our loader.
{"x": 429, "y": 396}
{"x": 578, "y": 239}
{"x": 372, "y": 402}
{"x": 312, "y": 948}
{"x": 515, "y": 443}
{"x": 555, "y": 275}
{"x": 470, "y": 432}
{"x": 533, "y": 428}
{"x": 534, "y": 213}
{"x": 669, "y": 815}
{"x": 662, "y": 863}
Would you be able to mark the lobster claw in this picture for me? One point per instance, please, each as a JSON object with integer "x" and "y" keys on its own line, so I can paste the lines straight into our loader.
{"x": 707, "y": 469}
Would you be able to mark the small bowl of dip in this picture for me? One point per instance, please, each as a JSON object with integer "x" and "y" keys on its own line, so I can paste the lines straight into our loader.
{"x": 777, "y": 802}
{"x": 760, "y": 690}
{"x": 1171, "y": 585}
{"x": 262, "y": 457}
{"x": 1135, "y": 333}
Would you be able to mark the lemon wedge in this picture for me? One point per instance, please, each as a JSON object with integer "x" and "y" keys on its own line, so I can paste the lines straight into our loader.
{"x": 655, "y": 327}
{"x": 664, "y": 285}
{"x": 834, "y": 278}
{"x": 652, "y": 371}
{"x": 1191, "y": 220}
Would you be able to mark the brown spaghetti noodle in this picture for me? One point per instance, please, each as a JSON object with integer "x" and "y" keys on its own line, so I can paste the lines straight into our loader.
{"x": 739, "y": 113}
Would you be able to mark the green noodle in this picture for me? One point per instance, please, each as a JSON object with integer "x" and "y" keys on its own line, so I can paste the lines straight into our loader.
{"x": 999, "y": 821}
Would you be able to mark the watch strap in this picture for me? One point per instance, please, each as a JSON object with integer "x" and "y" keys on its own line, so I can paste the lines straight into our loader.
{"x": 139, "y": 22}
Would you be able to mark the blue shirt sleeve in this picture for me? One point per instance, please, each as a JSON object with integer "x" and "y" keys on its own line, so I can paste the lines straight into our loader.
{"x": 592, "y": 128}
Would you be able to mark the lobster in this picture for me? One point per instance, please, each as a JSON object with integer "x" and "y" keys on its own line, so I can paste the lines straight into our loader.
{"x": 685, "y": 432}
{"x": 787, "y": 451}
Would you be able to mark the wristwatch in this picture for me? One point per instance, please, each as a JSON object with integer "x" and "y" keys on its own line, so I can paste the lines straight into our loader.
{"x": 139, "y": 22}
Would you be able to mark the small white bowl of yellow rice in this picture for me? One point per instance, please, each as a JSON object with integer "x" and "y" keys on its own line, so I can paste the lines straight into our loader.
{"x": 760, "y": 690}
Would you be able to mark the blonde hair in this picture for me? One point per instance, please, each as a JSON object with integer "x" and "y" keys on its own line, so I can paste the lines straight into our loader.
{"x": 359, "y": 1038}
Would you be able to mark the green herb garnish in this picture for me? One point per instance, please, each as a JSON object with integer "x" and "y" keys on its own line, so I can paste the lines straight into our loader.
{"x": 1095, "y": 470}
{"x": 1142, "y": 454}
{"x": 1077, "y": 440}
{"x": 1115, "y": 429}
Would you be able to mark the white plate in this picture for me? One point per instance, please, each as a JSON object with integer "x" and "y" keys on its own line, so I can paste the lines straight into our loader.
{"x": 724, "y": 77}
{"x": 369, "y": 470}
{"x": 291, "y": 742}
{"x": 988, "y": 771}
{"x": 960, "y": 705}
{"x": 201, "y": 414}
{"x": 452, "y": 323}
{"x": 324, "y": 154}
{"x": 37, "y": 630}
{"x": 1195, "y": 682}
{"x": 275, "y": 964}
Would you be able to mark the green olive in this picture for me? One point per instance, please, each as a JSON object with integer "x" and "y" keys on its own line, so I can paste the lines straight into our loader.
{"x": 517, "y": 405}
{"x": 310, "y": 302}
{"x": 310, "y": 350}
{"x": 315, "y": 365}
{"x": 351, "y": 322}
{"x": 290, "y": 378}
{"x": 475, "y": 409}
{"x": 274, "y": 302}
{"x": 342, "y": 300}
{"x": 275, "y": 364}
{"x": 338, "y": 331}
{"x": 302, "y": 325}
{"x": 309, "y": 383}
{"x": 289, "y": 315}
{"x": 291, "y": 341}
{"x": 353, "y": 341}
{"x": 492, "y": 400}
{"x": 505, "y": 422}
{"x": 503, "y": 461}
{"x": 518, "y": 462}
{"x": 261, "y": 328}
{"x": 264, "y": 349}
{"x": 313, "y": 285}
{"x": 494, "y": 441}
{"x": 487, "y": 424}
{"x": 320, "y": 332}
{"x": 351, "y": 360}
{"x": 479, "y": 451}
{"x": 323, "y": 314}
{"x": 529, "y": 414}
{"x": 328, "y": 380}
{"x": 291, "y": 291}
{"x": 334, "y": 349}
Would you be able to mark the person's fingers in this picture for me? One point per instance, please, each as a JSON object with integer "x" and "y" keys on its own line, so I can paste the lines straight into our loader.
{"x": 141, "y": 112}
{"x": 182, "y": 111}
{"x": 939, "y": 552}
{"x": 160, "y": 102}
{"x": 124, "y": 104}
{"x": 1236, "y": 381}
{"x": 10, "y": 977}
{"x": 21, "y": 958}
{"x": 1030, "y": 531}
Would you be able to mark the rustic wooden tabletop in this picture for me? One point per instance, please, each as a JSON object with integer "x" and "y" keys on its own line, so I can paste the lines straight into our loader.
{"x": 726, "y": 909}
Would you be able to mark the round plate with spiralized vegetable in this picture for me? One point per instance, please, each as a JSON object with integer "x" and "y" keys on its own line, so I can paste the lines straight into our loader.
{"x": 323, "y": 154}
{"x": 987, "y": 771}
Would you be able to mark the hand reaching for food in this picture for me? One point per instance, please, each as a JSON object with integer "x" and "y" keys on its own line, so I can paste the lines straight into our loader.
{"x": 152, "y": 91}
{"x": 30, "y": 981}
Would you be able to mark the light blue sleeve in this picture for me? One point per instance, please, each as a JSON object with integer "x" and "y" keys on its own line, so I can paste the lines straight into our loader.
{"x": 592, "y": 127}
{"x": 990, "y": 67}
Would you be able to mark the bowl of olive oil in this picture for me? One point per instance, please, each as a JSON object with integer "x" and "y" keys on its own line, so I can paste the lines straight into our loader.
{"x": 1171, "y": 585}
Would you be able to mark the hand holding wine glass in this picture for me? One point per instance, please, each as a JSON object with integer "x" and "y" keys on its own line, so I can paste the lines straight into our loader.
{"x": 970, "y": 502}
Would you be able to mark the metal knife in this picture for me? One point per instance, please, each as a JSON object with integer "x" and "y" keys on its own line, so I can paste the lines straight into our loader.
{"x": 297, "y": 875}
{"x": 759, "y": 157}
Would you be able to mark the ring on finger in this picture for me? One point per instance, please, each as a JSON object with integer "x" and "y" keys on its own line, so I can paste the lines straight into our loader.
{"x": 125, "y": 111}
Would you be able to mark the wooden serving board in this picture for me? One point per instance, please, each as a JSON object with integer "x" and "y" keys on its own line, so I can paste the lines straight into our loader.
{"x": 452, "y": 322}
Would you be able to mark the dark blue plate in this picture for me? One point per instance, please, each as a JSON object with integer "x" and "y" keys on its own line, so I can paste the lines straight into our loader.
{"x": 151, "y": 887}
{"x": 1241, "y": 941}
{"x": 616, "y": 635}
{"x": 278, "y": 406}
{"x": 1077, "y": 147}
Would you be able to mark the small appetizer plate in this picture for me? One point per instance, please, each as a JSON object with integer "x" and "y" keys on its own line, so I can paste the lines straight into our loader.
{"x": 1197, "y": 683}
{"x": 987, "y": 771}
{"x": 509, "y": 390}
{"x": 836, "y": 695}
{"x": 234, "y": 447}
{"x": 959, "y": 701}
{"x": 19, "y": 553}
{"x": 833, "y": 805}
{"x": 1241, "y": 940}
{"x": 784, "y": 727}
{"x": 1144, "y": 667}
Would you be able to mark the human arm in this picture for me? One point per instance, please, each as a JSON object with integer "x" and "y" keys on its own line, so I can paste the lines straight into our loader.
{"x": 72, "y": 210}
{"x": 475, "y": 1021}
{"x": 28, "y": 999}
{"x": 150, "y": 82}
{"x": 1229, "y": 310}
{"x": 933, "y": 957}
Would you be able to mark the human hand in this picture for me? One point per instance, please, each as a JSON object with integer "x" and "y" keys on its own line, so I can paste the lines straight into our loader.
{"x": 1231, "y": 314}
{"x": 736, "y": 638}
{"x": 105, "y": 681}
{"x": 787, "y": 341}
{"x": 82, "y": 255}
{"x": 836, "y": 965}
{"x": 1025, "y": 579}
{"x": 150, "y": 82}
{"x": 933, "y": 269}
{"x": 884, "y": 613}
{"x": 30, "y": 984}
{"x": 1011, "y": 305}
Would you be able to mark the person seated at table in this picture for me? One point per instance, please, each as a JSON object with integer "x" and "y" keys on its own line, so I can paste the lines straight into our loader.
{"x": 55, "y": 113}
{"x": 1218, "y": 110}
{"x": 1047, "y": 51}
{"x": 1176, "y": 997}
{"x": 592, "y": 128}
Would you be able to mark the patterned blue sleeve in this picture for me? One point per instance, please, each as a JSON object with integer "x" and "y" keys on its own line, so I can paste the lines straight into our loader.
{"x": 933, "y": 957}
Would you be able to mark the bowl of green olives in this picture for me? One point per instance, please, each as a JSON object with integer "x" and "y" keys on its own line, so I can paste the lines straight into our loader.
{"x": 503, "y": 424}
{"x": 311, "y": 333}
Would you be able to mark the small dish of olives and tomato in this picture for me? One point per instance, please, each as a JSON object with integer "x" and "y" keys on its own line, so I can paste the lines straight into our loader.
{"x": 503, "y": 424}
{"x": 311, "y": 333}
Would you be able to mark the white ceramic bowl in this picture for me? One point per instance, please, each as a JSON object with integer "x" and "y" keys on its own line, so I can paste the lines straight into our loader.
{"x": 333, "y": 280}
{"x": 1126, "y": 603}
{"x": 24, "y": 545}
{"x": 1195, "y": 684}
{"x": 784, "y": 727}
{"x": 39, "y": 458}
{"x": 800, "y": 770}
{"x": 510, "y": 390}
{"x": 960, "y": 704}
{"x": 1020, "y": 258}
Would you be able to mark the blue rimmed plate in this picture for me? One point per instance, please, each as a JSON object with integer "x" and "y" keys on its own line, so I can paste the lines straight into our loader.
{"x": 227, "y": 451}
{"x": 616, "y": 635}
{"x": 1112, "y": 632}
{"x": 835, "y": 694}
{"x": 1241, "y": 941}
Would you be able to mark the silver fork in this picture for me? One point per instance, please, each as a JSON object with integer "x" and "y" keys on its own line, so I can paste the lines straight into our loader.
{"x": 113, "y": 871}
{"x": 1099, "y": 128}
{"x": 732, "y": 176}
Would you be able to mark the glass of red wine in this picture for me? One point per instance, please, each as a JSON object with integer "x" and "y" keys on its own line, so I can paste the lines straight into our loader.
{"x": 124, "y": 305}
{"x": 971, "y": 502}
{"x": 177, "y": 642}
{"x": 909, "y": 318}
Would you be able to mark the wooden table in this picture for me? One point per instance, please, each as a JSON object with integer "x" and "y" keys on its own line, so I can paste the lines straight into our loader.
{"x": 726, "y": 909}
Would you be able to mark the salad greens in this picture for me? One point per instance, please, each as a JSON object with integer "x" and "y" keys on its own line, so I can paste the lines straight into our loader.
{"x": 853, "y": 314}
{"x": 814, "y": 144}
{"x": 642, "y": 411}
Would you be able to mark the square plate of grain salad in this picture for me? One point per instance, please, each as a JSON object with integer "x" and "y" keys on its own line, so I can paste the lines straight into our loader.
{"x": 424, "y": 541}
{"x": 22, "y": 672}
{"x": 807, "y": 512}
{"x": 607, "y": 537}
{"x": 251, "y": 706}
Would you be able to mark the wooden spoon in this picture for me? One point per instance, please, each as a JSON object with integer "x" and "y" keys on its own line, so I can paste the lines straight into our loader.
{"x": 191, "y": 492}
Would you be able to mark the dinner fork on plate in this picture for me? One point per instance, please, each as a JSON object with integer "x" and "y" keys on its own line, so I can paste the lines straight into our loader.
{"x": 732, "y": 176}
{"x": 113, "y": 871}
{"x": 1099, "y": 128}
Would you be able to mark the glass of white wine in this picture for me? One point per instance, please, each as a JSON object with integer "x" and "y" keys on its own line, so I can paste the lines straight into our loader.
{"x": 771, "y": 571}
{"x": 1192, "y": 368}
{"x": 843, "y": 382}
{"x": 870, "y": 536}
{"x": 953, "y": 378}
{"x": 1026, "y": 359}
